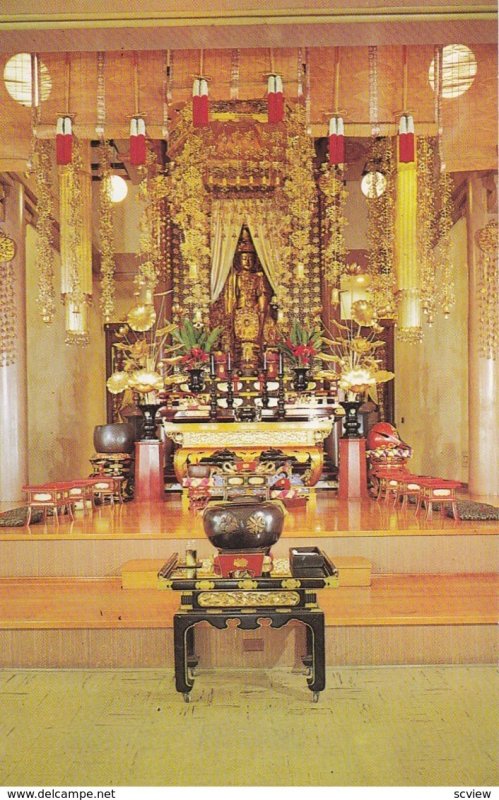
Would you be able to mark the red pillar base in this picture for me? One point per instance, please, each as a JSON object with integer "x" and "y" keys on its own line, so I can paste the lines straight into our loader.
{"x": 352, "y": 478}
{"x": 149, "y": 470}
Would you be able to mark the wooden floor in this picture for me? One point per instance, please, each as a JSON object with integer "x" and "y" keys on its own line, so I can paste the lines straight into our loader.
{"x": 324, "y": 516}
{"x": 391, "y": 600}
{"x": 432, "y": 598}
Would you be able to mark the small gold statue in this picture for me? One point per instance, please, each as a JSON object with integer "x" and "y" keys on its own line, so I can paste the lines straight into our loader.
{"x": 248, "y": 314}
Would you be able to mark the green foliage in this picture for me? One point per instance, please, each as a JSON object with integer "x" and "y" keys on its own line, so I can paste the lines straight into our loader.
{"x": 190, "y": 336}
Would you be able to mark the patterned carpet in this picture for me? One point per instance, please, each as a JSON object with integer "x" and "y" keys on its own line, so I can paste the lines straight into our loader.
{"x": 373, "y": 726}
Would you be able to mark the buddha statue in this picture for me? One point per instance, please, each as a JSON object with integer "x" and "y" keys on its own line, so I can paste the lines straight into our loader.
{"x": 249, "y": 325}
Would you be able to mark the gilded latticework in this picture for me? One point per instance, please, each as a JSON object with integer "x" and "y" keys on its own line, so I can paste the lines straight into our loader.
{"x": 488, "y": 280}
{"x": 189, "y": 205}
{"x": 426, "y": 225}
{"x": 434, "y": 223}
{"x": 152, "y": 191}
{"x": 445, "y": 279}
{"x": 299, "y": 204}
{"x": 381, "y": 231}
{"x": 42, "y": 170}
{"x": 7, "y": 313}
{"x": 76, "y": 245}
{"x": 333, "y": 187}
{"x": 106, "y": 233}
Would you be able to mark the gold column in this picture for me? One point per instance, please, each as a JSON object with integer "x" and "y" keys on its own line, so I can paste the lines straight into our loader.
{"x": 13, "y": 378}
{"x": 406, "y": 261}
{"x": 75, "y": 182}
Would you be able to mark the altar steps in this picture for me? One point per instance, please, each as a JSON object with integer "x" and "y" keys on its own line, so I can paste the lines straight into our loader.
{"x": 399, "y": 619}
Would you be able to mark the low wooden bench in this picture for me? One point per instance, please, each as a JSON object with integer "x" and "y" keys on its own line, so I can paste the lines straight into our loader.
{"x": 49, "y": 496}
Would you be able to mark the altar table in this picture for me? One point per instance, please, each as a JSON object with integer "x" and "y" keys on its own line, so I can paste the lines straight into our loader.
{"x": 302, "y": 440}
{"x": 281, "y": 597}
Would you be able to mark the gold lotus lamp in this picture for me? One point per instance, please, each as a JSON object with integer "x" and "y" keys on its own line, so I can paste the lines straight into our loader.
{"x": 145, "y": 381}
{"x": 363, "y": 313}
{"x": 357, "y": 380}
{"x": 118, "y": 382}
{"x": 141, "y": 317}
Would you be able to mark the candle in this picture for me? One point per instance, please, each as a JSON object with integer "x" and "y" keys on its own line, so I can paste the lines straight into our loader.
{"x": 265, "y": 361}
{"x": 281, "y": 364}
{"x": 228, "y": 362}
{"x": 212, "y": 365}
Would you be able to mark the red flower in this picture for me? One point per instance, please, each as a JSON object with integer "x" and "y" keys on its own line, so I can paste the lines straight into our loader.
{"x": 194, "y": 356}
{"x": 303, "y": 352}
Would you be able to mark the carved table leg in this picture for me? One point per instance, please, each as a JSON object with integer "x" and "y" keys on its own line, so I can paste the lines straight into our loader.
{"x": 316, "y": 638}
{"x": 183, "y": 639}
{"x": 192, "y": 658}
{"x": 308, "y": 658}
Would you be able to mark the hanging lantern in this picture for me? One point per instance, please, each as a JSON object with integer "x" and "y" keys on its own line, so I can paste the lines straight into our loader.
{"x": 275, "y": 99}
{"x": 75, "y": 196}
{"x": 200, "y": 102}
{"x": 336, "y": 141}
{"x": 406, "y": 139}
{"x": 137, "y": 141}
{"x": 64, "y": 141}
{"x": 406, "y": 241}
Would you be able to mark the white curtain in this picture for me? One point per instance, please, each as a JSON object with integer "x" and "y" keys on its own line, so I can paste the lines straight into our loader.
{"x": 227, "y": 219}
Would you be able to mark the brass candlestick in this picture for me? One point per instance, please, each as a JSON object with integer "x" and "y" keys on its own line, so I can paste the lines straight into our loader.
{"x": 281, "y": 406}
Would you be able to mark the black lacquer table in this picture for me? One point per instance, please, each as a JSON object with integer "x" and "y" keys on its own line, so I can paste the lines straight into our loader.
{"x": 280, "y": 597}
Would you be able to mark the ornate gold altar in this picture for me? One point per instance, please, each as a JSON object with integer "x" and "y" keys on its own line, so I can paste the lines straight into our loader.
{"x": 299, "y": 440}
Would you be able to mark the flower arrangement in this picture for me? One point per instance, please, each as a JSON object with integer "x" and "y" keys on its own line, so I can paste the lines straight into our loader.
{"x": 302, "y": 345}
{"x": 354, "y": 353}
{"x": 194, "y": 343}
{"x": 142, "y": 344}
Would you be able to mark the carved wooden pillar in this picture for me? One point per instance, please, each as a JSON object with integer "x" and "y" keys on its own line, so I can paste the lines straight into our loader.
{"x": 13, "y": 378}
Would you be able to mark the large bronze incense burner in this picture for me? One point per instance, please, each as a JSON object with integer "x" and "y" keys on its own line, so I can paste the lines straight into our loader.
{"x": 245, "y": 524}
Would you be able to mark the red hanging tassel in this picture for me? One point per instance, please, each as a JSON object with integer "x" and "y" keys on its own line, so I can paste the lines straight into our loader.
{"x": 406, "y": 139}
{"x": 64, "y": 141}
{"x": 200, "y": 107}
{"x": 137, "y": 141}
{"x": 336, "y": 141}
{"x": 275, "y": 99}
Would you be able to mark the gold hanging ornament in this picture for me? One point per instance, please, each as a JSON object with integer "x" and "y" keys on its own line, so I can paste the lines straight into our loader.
{"x": 106, "y": 233}
{"x": 7, "y": 301}
{"x": 299, "y": 196}
{"x": 487, "y": 301}
{"x": 41, "y": 166}
{"x": 426, "y": 227}
{"x": 333, "y": 187}
{"x": 76, "y": 244}
{"x": 381, "y": 232}
{"x": 188, "y": 202}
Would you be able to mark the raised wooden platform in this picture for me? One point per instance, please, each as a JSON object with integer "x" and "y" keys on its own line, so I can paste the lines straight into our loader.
{"x": 432, "y": 598}
{"x": 393, "y": 541}
{"x": 58, "y": 622}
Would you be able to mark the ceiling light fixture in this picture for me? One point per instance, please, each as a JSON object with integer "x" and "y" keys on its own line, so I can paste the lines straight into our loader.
{"x": 459, "y": 69}
{"x": 373, "y": 182}
{"x": 17, "y": 76}
{"x": 118, "y": 188}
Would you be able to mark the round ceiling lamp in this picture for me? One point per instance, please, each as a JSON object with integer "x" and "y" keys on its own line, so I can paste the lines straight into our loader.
{"x": 17, "y": 76}
{"x": 372, "y": 184}
{"x": 118, "y": 188}
{"x": 459, "y": 69}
